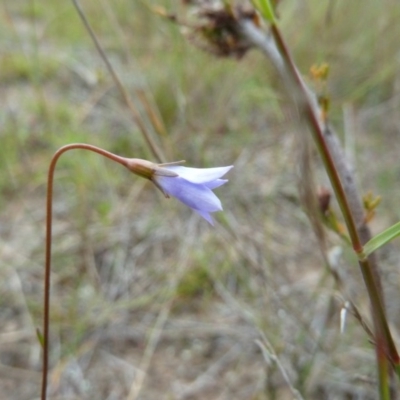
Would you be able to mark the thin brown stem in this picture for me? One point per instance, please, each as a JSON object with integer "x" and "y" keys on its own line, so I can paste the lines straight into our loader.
{"x": 158, "y": 154}
{"x": 339, "y": 173}
{"x": 320, "y": 142}
{"x": 371, "y": 276}
{"x": 49, "y": 219}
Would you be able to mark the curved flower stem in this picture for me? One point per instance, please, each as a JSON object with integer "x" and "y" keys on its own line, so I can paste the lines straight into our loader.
{"x": 49, "y": 218}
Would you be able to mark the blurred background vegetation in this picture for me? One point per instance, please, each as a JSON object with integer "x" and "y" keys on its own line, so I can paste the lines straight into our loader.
{"x": 148, "y": 301}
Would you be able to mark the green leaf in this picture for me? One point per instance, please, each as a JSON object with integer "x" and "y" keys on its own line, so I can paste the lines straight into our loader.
{"x": 266, "y": 9}
{"x": 40, "y": 337}
{"x": 381, "y": 239}
{"x": 397, "y": 369}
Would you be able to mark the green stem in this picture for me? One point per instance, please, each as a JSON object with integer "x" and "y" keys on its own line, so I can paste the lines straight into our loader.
{"x": 383, "y": 372}
{"x": 378, "y": 312}
{"x": 318, "y": 137}
{"x": 382, "y": 331}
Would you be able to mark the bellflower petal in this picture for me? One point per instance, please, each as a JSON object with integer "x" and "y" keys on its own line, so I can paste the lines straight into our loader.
{"x": 206, "y": 216}
{"x": 199, "y": 175}
{"x": 216, "y": 183}
{"x": 193, "y": 187}
{"x": 196, "y": 196}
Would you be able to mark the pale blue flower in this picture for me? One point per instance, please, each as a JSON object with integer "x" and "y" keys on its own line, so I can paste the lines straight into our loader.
{"x": 192, "y": 186}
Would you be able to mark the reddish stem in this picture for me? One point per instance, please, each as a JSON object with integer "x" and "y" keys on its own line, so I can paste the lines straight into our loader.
{"x": 372, "y": 281}
{"x": 49, "y": 218}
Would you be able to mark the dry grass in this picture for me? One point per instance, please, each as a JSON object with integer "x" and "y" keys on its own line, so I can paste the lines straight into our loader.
{"x": 148, "y": 301}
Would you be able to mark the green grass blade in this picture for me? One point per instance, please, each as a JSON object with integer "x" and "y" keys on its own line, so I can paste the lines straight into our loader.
{"x": 266, "y": 9}
{"x": 381, "y": 239}
{"x": 39, "y": 336}
{"x": 397, "y": 369}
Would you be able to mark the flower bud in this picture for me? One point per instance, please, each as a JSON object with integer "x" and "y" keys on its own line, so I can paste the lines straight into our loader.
{"x": 143, "y": 168}
{"x": 147, "y": 169}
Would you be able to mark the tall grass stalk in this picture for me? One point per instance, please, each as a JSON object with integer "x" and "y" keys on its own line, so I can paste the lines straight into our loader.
{"x": 147, "y": 135}
{"x": 278, "y": 52}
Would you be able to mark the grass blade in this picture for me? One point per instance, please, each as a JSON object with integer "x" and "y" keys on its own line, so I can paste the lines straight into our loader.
{"x": 266, "y": 9}
{"x": 381, "y": 239}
